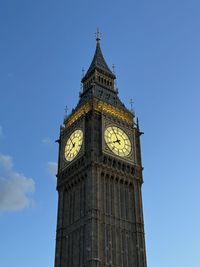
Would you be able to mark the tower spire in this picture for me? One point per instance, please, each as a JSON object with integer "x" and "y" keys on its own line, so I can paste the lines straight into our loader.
{"x": 98, "y": 61}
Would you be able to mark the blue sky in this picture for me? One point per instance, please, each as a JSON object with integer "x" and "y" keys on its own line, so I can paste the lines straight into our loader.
{"x": 155, "y": 48}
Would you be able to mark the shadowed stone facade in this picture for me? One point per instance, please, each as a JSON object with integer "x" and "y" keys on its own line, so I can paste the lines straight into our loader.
{"x": 100, "y": 214}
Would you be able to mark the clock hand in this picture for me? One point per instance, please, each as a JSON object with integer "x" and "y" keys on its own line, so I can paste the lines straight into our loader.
{"x": 109, "y": 142}
{"x": 71, "y": 141}
{"x": 73, "y": 145}
{"x": 115, "y": 135}
{"x": 117, "y": 141}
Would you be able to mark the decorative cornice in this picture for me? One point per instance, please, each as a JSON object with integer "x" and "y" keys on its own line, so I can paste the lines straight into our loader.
{"x": 103, "y": 108}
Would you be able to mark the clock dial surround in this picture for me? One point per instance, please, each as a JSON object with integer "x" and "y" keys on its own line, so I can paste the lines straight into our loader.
{"x": 73, "y": 145}
{"x": 118, "y": 141}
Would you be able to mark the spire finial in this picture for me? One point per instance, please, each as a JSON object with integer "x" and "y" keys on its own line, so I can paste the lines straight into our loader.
{"x": 81, "y": 85}
{"x": 113, "y": 68}
{"x": 138, "y": 126}
{"x": 83, "y": 72}
{"x": 98, "y": 35}
{"x": 131, "y": 103}
{"x": 66, "y": 111}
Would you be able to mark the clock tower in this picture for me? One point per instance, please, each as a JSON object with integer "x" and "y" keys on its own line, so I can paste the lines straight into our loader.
{"x": 100, "y": 215}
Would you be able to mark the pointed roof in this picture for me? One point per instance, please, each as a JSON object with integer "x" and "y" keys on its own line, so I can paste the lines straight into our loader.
{"x": 98, "y": 62}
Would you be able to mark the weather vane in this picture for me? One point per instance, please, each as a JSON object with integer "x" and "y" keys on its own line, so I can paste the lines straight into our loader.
{"x": 98, "y": 35}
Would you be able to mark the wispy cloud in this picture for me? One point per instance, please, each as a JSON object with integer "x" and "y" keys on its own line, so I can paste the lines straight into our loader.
{"x": 15, "y": 188}
{"x": 52, "y": 168}
{"x": 6, "y": 162}
{"x": 47, "y": 141}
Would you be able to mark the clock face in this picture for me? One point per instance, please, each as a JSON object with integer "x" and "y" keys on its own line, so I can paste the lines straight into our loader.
{"x": 117, "y": 141}
{"x": 73, "y": 145}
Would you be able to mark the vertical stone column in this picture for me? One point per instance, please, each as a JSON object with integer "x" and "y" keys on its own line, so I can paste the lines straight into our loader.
{"x": 140, "y": 238}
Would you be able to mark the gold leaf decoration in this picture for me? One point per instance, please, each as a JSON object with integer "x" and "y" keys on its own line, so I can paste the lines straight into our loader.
{"x": 102, "y": 107}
